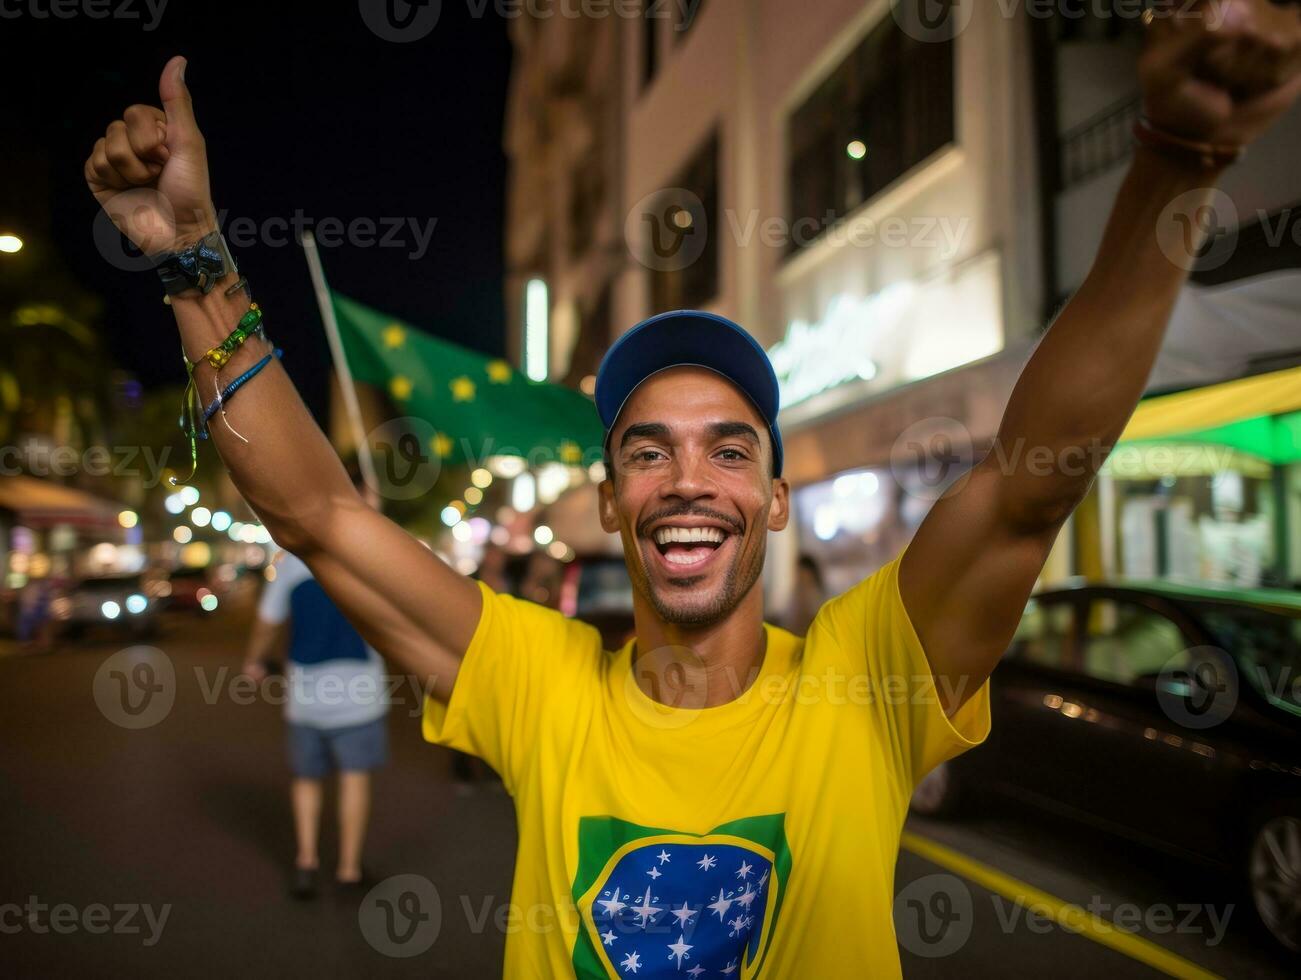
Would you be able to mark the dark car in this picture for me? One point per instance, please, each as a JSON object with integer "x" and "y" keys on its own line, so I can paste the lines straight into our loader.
{"x": 603, "y": 597}
{"x": 192, "y": 589}
{"x": 1170, "y": 715}
{"x": 120, "y": 603}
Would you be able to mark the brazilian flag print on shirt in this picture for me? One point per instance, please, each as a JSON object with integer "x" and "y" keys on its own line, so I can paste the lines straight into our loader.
{"x": 708, "y": 898}
{"x": 755, "y": 838}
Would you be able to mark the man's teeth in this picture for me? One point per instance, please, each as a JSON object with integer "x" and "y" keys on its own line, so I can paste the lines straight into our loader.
{"x": 688, "y": 535}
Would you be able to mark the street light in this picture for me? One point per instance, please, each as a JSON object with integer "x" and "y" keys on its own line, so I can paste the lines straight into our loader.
{"x": 10, "y": 243}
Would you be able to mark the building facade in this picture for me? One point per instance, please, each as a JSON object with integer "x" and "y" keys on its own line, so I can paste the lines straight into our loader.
{"x": 895, "y": 207}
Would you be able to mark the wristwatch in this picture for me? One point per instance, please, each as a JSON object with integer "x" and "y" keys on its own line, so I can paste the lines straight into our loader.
{"x": 199, "y": 266}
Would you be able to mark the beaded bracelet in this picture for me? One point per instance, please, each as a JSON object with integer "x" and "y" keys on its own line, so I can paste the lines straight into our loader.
{"x": 249, "y": 324}
{"x": 194, "y": 418}
{"x": 234, "y": 386}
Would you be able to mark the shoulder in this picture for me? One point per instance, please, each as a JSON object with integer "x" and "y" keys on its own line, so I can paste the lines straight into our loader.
{"x": 531, "y": 628}
{"x": 874, "y": 599}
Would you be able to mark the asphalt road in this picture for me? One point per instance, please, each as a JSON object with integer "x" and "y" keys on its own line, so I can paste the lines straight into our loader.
{"x": 161, "y": 849}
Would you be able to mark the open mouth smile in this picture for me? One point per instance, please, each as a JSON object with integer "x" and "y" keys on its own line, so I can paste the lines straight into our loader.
{"x": 688, "y": 548}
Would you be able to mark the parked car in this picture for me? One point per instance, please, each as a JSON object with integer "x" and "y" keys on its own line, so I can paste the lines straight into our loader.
{"x": 1170, "y": 715}
{"x": 193, "y": 589}
{"x": 123, "y": 603}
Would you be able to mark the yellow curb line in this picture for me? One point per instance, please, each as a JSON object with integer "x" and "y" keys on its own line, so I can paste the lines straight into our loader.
{"x": 1065, "y": 914}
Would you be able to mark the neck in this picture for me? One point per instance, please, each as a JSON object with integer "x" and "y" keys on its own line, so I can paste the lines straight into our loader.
{"x": 721, "y": 660}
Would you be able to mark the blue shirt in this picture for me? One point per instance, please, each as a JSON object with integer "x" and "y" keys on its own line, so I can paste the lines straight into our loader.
{"x": 335, "y": 678}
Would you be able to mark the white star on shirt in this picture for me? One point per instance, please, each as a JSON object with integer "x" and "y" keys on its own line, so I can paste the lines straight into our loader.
{"x": 696, "y": 970}
{"x": 730, "y": 968}
{"x": 744, "y": 870}
{"x": 646, "y": 911}
{"x": 654, "y": 872}
{"x": 612, "y": 905}
{"x": 720, "y": 905}
{"x": 706, "y": 862}
{"x": 746, "y": 897}
{"x": 763, "y": 878}
{"x": 663, "y": 855}
{"x": 632, "y": 962}
{"x": 679, "y": 950}
{"x": 684, "y": 914}
{"x": 608, "y": 937}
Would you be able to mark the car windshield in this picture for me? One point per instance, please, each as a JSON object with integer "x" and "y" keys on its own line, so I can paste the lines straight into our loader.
{"x": 1266, "y": 644}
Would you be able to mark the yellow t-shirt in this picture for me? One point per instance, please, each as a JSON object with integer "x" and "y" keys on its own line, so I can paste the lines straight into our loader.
{"x": 754, "y": 838}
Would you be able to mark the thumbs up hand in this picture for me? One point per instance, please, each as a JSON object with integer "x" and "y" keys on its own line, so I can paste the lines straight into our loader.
{"x": 149, "y": 171}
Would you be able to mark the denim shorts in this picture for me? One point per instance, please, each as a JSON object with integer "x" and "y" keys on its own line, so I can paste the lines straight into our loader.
{"x": 316, "y": 752}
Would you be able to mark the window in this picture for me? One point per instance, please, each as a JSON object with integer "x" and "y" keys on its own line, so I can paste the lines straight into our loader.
{"x": 586, "y": 193}
{"x": 1124, "y": 641}
{"x": 1045, "y": 634}
{"x": 1267, "y": 645}
{"x": 686, "y": 273}
{"x": 886, "y": 108}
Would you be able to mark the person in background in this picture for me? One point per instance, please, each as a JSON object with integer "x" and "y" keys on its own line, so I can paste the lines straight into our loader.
{"x": 810, "y": 594}
{"x": 335, "y": 712}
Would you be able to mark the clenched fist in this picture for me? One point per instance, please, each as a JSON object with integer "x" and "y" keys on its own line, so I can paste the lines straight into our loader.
{"x": 149, "y": 171}
{"x": 1221, "y": 71}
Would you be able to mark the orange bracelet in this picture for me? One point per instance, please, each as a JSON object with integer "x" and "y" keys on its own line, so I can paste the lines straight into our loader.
{"x": 1208, "y": 156}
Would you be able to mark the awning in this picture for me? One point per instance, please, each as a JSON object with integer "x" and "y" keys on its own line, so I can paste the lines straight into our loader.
{"x": 43, "y": 503}
{"x": 1253, "y": 414}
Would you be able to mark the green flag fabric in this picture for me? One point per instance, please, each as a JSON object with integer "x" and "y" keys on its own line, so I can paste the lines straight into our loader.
{"x": 478, "y": 406}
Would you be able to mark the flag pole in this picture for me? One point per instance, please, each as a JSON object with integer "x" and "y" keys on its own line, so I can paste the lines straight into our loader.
{"x": 346, "y": 384}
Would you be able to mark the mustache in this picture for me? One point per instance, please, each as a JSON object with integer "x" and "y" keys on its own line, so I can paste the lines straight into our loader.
{"x": 643, "y": 528}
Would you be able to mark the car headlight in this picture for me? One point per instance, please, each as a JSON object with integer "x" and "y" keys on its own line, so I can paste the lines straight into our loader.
{"x": 136, "y": 603}
{"x": 110, "y": 609}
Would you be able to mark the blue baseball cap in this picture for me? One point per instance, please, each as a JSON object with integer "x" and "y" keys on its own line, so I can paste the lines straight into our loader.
{"x": 689, "y": 338}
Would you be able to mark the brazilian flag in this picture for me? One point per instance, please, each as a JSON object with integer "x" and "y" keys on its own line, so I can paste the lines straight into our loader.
{"x": 478, "y": 406}
{"x": 709, "y": 901}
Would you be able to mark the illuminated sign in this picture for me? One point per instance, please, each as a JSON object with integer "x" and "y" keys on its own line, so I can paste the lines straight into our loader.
{"x": 906, "y": 331}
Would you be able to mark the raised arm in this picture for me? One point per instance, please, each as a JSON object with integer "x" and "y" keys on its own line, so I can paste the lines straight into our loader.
{"x": 150, "y": 174}
{"x": 967, "y": 574}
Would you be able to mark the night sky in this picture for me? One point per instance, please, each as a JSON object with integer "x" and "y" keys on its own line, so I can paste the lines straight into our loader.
{"x": 304, "y": 109}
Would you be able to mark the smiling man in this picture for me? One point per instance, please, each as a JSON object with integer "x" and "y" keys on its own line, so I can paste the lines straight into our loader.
{"x": 718, "y": 797}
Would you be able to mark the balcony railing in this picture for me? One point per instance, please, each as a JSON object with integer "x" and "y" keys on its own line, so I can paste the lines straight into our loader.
{"x": 1097, "y": 144}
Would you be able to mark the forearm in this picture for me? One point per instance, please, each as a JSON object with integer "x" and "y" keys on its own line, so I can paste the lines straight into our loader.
{"x": 407, "y": 602}
{"x": 1080, "y": 387}
{"x": 287, "y": 470}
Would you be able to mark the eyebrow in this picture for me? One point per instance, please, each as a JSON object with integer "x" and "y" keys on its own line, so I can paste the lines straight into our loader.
{"x": 644, "y": 430}
{"x": 725, "y": 430}
{"x": 717, "y": 430}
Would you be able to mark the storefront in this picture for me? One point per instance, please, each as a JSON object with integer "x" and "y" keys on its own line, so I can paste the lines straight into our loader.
{"x": 1206, "y": 487}
{"x": 887, "y": 399}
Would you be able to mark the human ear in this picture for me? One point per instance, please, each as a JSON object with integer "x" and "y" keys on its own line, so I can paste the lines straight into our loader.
{"x": 779, "y": 512}
{"x": 605, "y": 504}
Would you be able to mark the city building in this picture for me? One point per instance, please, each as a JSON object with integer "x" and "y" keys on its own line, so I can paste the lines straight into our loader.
{"x": 896, "y": 208}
